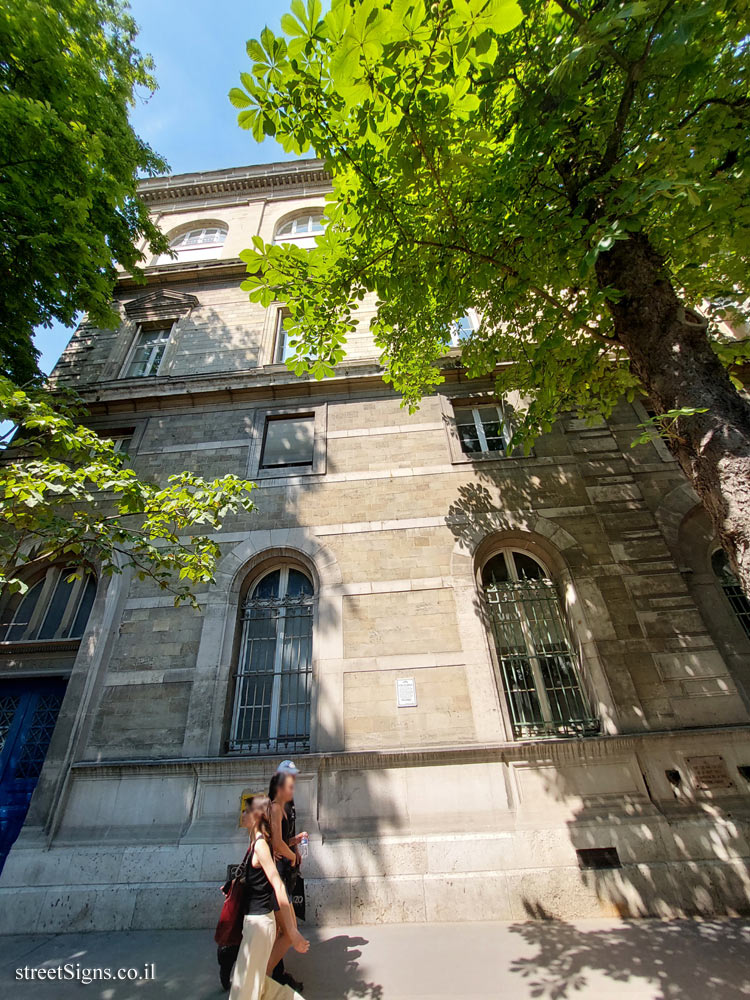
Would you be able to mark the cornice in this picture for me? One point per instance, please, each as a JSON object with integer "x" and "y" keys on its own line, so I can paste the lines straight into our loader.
{"x": 560, "y": 752}
{"x": 267, "y": 178}
{"x": 270, "y": 382}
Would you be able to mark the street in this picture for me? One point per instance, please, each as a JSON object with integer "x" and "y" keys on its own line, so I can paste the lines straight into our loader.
{"x": 544, "y": 960}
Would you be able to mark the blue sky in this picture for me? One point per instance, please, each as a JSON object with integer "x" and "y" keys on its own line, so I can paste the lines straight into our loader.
{"x": 199, "y": 50}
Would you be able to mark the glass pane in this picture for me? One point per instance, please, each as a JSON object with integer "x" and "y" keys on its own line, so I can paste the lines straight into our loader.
{"x": 16, "y": 631}
{"x": 495, "y": 571}
{"x": 493, "y": 428}
{"x": 288, "y": 441}
{"x": 294, "y": 701}
{"x": 461, "y": 329}
{"x": 283, "y": 348}
{"x": 268, "y": 587}
{"x": 722, "y": 569}
{"x": 148, "y": 352}
{"x": 299, "y": 585}
{"x": 528, "y": 568}
{"x": 56, "y": 610}
{"x": 84, "y": 608}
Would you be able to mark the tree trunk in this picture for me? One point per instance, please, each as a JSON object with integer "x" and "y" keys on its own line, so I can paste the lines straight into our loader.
{"x": 671, "y": 355}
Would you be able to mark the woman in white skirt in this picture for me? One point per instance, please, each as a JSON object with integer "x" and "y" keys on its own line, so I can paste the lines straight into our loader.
{"x": 264, "y": 894}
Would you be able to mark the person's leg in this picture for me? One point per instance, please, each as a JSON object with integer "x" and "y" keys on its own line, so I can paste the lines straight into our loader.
{"x": 226, "y": 956}
{"x": 281, "y": 946}
{"x": 276, "y": 972}
{"x": 258, "y": 934}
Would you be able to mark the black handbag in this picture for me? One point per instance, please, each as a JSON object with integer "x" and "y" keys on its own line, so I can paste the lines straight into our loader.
{"x": 298, "y": 898}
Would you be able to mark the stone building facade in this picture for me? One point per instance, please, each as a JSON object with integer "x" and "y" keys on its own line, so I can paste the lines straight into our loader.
{"x": 515, "y": 686}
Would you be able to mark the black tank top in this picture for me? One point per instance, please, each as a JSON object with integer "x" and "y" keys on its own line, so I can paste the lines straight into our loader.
{"x": 259, "y": 894}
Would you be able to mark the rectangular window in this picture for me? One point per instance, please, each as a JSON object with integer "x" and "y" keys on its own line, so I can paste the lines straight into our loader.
{"x": 288, "y": 441}
{"x": 282, "y": 349}
{"x": 482, "y": 430}
{"x": 148, "y": 352}
{"x": 461, "y": 329}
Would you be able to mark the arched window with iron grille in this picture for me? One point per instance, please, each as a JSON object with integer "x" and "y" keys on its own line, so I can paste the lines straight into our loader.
{"x": 273, "y": 682}
{"x": 536, "y": 658}
{"x": 732, "y": 589}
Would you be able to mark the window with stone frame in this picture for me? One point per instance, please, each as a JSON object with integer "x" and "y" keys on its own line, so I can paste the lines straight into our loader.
{"x": 147, "y": 351}
{"x": 281, "y": 347}
{"x": 732, "y": 589}
{"x": 482, "y": 429}
{"x": 205, "y": 236}
{"x": 288, "y": 442}
{"x": 538, "y": 665}
{"x": 301, "y": 230}
{"x": 56, "y": 606}
{"x": 273, "y": 679}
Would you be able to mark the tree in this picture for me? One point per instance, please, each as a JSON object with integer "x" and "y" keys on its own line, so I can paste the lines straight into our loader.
{"x": 576, "y": 170}
{"x": 68, "y": 494}
{"x": 69, "y": 210}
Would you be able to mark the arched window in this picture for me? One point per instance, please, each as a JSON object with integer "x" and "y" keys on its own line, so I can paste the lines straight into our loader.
{"x": 731, "y": 587}
{"x": 301, "y": 230}
{"x": 207, "y": 236}
{"x": 55, "y": 607}
{"x": 274, "y": 670}
{"x": 535, "y": 654}
{"x": 200, "y": 243}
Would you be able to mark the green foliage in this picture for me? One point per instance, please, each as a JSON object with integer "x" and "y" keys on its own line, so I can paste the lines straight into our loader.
{"x": 484, "y": 153}
{"x": 665, "y": 424}
{"x": 67, "y": 493}
{"x": 69, "y": 212}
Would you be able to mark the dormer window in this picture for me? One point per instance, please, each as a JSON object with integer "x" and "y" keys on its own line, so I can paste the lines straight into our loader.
{"x": 301, "y": 230}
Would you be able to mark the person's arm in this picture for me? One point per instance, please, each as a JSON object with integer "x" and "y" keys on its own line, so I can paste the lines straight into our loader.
{"x": 263, "y": 855}
{"x": 295, "y": 840}
{"x": 280, "y": 847}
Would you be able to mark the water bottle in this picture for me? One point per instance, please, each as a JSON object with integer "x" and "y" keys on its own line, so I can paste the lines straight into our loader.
{"x": 303, "y": 847}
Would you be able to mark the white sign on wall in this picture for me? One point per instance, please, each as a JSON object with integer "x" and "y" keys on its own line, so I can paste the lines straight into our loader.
{"x": 406, "y": 692}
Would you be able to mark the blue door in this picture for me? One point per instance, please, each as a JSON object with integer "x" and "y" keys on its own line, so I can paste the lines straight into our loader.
{"x": 28, "y": 713}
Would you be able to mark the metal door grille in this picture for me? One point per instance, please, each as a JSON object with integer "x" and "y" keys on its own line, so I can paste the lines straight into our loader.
{"x": 537, "y": 662}
{"x": 274, "y": 676}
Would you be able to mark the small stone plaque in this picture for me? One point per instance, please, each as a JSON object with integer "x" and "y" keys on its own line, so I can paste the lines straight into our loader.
{"x": 709, "y": 772}
{"x": 406, "y": 692}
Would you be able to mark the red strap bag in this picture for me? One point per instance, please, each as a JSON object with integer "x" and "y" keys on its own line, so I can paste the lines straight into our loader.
{"x": 229, "y": 927}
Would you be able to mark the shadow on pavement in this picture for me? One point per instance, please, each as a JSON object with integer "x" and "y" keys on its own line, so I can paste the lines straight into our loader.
{"x": 683, "y": 960}
{"x": 335, "y": 975}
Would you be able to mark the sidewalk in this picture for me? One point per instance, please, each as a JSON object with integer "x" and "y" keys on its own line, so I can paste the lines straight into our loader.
{"x": 606, "y": 960}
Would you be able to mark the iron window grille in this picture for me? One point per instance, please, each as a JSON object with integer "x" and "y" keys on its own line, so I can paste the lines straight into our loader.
{"x": 538, "y": 665}
{"x": 53, "y": 608}
{"x": 732, "y": 589}
{"x": 273, "y": 682}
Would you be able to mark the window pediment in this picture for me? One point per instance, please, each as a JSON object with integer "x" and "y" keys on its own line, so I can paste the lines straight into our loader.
{"x": 160, "y": 304}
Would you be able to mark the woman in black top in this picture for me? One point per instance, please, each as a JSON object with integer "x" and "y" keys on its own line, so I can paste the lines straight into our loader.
{"x": 265, "y": 894}
{"x": 284, "y": 842}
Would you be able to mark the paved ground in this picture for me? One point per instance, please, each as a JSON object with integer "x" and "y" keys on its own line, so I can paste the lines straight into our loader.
{"x": 606, "y": 960}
